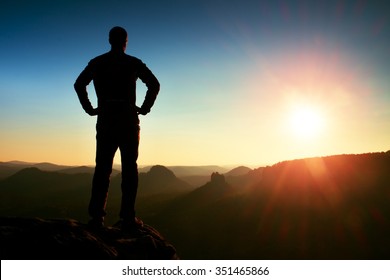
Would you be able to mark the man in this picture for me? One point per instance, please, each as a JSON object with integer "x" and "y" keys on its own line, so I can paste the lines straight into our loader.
{"x": 114, "y": 75}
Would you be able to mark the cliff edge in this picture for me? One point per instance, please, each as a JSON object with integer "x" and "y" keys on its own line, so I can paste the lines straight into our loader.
{"x": 40, "y": 239}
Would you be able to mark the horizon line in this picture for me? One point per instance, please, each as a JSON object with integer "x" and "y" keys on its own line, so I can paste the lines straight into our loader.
{"x": 227, "y": 165}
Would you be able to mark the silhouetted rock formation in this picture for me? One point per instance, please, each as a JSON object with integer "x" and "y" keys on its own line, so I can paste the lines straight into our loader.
{"x": 217, "y": 178}
{"x": 38, "y": 239}
{"x": 212, "y": 191}
{"x": 160, "y": 179}
{"x": 161, "y": 172}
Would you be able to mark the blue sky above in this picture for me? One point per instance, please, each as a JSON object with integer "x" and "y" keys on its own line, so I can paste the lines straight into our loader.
{"x": 229, "y": 71}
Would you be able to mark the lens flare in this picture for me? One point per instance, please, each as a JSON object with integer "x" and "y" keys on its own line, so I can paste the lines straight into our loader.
{"x": 306, "y": 122}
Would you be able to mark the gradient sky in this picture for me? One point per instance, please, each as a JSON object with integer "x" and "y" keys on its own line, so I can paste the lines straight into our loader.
{"x": 233, "y": 76}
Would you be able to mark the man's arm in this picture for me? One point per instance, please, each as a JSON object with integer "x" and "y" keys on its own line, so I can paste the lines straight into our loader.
{"x": 153, "y": 86}
{"x": 80, "y": 87}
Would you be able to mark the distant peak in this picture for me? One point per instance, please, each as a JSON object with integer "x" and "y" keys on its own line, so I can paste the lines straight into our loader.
{"x": 161, "y": 171}
{"x": 241, "y": 170}
{"x": 217, "y": 178}
{"x": 30, "y": 170}
{"x": 26, "y": 174}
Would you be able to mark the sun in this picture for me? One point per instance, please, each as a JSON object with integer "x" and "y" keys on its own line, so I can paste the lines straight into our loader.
{"x": 306, "y": 122}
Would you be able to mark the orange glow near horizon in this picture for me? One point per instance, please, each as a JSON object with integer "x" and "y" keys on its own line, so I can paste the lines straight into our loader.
{"x": 309, "y": 102}
{"x": 285, "y": 105}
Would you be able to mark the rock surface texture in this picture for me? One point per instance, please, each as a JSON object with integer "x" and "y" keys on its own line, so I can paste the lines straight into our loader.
{"x": 39, "y": 239}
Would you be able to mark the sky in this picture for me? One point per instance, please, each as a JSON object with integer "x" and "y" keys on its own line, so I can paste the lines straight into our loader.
{"x": 242, "y": 82}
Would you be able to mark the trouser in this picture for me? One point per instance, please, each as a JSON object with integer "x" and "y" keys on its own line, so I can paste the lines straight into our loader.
{"x": 109, "y": 137}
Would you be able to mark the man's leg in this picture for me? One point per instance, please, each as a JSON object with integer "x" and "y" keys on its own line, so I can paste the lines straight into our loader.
{"x": 105, "y": 152}
{"x": 129, "y": 154}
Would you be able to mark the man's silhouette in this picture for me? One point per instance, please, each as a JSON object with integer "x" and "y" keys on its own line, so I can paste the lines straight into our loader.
{"x": 114, "y": 75}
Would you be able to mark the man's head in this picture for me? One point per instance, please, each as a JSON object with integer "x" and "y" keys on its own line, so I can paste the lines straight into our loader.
{"x": 118, "y": 38}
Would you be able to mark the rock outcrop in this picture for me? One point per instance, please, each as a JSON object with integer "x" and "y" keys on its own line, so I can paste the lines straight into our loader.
{"x": 217, "y": 178}
{"x": 39, "y": 239}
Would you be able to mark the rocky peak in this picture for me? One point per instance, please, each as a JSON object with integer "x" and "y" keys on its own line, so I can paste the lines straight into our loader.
{"x": 217, "y": 178}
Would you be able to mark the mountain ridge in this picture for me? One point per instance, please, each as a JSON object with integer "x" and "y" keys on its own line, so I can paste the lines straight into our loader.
{"x": 333, "y": 207}
{"x": 11, "y": 167}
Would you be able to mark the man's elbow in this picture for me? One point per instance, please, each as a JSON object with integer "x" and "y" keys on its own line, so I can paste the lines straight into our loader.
{"x": 156, "y": 87}
{"x": 78, "y": 87}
